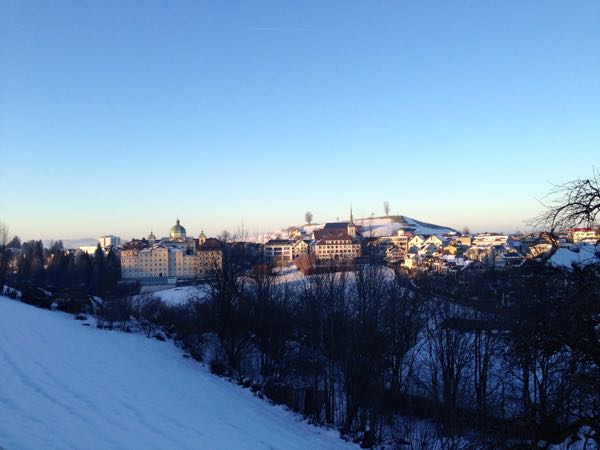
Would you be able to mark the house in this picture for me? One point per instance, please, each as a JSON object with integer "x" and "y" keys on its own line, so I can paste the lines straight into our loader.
{"x": 294, "y": 232}
{"x": 436, "y": 240}
{"x": 278, "y": 251}
{"x": 466, "y": 240}
{"x": 483, "y": 254}
{"x": 416, "y": 242}
{"x": 395, "y": 254}
{"x": 300, "y": 247}
{"x": 412, "y": 261}
{"x": 508, "y": 259}
{"x": 427, "y": 250}
{"x": 584, "y": 234}
{"x": 490, "y": 239}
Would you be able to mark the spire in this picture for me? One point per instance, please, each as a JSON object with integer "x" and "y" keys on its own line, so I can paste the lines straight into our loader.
{"x": 351, "y": 226}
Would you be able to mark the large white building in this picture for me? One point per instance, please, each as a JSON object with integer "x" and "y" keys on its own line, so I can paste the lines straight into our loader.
{"x": 174, "y": 257}
{"x": 109, "y": 241}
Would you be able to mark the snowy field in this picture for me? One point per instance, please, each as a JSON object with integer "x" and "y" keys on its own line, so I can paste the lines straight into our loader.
{"x": 65, "y": 385}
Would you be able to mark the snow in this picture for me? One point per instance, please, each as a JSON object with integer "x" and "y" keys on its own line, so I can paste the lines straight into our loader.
{"x": 372, "y": 227}
{"x": 587, "y": 254}
{"x": 69, "y": 386}
{"x": 182, "y": 295}
{"x": 10, "y": 291}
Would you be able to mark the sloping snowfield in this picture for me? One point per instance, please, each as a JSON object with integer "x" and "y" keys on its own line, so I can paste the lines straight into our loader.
{"x": 63, "y": 385}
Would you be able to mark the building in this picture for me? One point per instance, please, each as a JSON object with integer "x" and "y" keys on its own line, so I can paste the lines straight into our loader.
{"x": 279, "y": 251}
{"x": 340, "y": 246}
{"x": 507, "y": 260}
{"x": 584, "y": 234}
{"x": 109, "y": 241}
{"x": 300, "y": 247}
{"x": 177, "y": 256}
{"x": 490, "y": 239}
{"x": 337, "y": 241}
{"x": 106, "y": 243}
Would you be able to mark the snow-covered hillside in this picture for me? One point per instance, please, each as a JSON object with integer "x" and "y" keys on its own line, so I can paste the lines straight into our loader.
{"x": 373, "y": 227}
{"x": 388, "y": 226}
{"x": 182, "y": 295}
{"x": 64, "y": 385}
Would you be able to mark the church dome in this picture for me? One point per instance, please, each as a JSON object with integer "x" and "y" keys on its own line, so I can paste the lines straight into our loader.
{"x": 177, "y": 231}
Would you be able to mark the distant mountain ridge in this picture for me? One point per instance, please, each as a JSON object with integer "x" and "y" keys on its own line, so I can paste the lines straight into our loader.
{"x": 72, "y": 243}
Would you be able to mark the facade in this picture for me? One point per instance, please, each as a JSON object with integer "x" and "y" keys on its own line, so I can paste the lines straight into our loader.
{"x": 300, "y": 247}
{"x": 279, "y": 251}
{"x": 490, "y": 239}
{"x": 175, "y": 257}
{"x": 109, "y": 241}
{"x": 583, "y": 234}
{"x": 337, "y": 246}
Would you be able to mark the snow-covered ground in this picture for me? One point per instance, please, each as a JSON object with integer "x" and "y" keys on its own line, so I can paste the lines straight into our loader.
{"x": 64, "y": 385}
{"x": 182, "y": 295}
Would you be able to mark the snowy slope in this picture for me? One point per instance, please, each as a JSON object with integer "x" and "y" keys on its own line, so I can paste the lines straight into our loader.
{"x": 388, "y": 226}
{"x": 64, "y": 385}
{"x": 182, "y": 295}
{"x": 373, "y": 227}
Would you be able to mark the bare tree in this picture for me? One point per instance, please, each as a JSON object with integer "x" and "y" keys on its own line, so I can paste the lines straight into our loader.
{"x": 570, "y": 204}
{"x": 241, "y": 234}
{"x": 449, "y": 351}
{"x": 225, "y": 236}
{"x": 4, "y": 234}
{"x": 386, "y": 208}
{"x": 308, "y": 217}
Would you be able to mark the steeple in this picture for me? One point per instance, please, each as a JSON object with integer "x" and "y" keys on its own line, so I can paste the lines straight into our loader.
{"x": 351, "y": 226}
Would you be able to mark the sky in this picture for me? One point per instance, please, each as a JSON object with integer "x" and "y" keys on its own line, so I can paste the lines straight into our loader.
{"x": 117, "y": 117}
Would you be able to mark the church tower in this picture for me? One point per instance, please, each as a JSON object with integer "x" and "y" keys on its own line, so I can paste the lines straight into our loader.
{"x": 351, "y": 226}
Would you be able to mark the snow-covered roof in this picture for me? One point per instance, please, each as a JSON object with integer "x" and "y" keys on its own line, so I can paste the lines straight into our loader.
{"x": 565, "y": 257}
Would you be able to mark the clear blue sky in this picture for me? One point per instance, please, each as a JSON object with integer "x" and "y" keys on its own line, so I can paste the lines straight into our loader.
{"x": 115, "y": 117}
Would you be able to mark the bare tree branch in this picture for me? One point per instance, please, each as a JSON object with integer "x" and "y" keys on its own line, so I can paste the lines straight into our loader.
{"x": 571, "y": 204}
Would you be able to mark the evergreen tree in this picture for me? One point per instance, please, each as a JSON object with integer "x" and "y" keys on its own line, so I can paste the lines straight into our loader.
{"x": 83, "y": 268}
{"x": 98, "y": 271}
{"x": 5, "y": 256}
{"x": 112, "y": 272}
{"x": 24, "y": 263}
{"x": 38, "y": 271}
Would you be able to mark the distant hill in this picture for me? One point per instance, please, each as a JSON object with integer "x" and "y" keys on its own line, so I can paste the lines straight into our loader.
{"x": 375, "y": 227}
{"x": 388, "y": 226}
